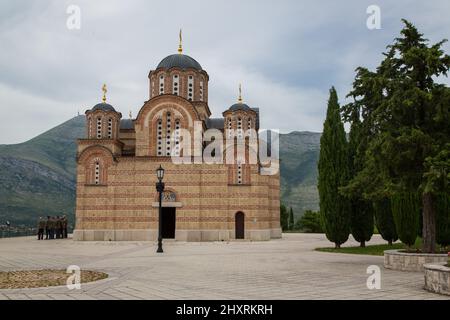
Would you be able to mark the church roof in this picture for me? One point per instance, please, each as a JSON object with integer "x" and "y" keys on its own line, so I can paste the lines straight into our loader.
{"x": 180, "y": 61}
{"x": 215, "y": 123}
{"x": 104, "y": 107}
{"x": 126, "y": 124}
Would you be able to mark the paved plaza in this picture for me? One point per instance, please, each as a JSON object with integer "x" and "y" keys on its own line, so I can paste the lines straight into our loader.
{"x": 287, "y": 268}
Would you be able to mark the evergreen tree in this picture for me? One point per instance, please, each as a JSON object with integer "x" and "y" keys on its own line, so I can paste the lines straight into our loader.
{"x": 284, "y": 218}
{"x": 406, "y": 118}
{"x": 291, "y": 219}
{"x": 442, "y": 202}
{"x": 333, "y": 173}
{"x": 385, "y": 220}
{"x": 361, "y": 210}
{"x": 310, "y": 222}
{"x": 405, "y": 209}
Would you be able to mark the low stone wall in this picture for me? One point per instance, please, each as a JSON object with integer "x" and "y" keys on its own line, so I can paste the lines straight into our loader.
{"x": 180, "y": 235}
{"x": 403, "y": 261}
{"x": 437, "y": 278}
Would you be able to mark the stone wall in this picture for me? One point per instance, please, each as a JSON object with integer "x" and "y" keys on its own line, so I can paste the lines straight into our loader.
{"x": 437, "y": 278}
{"x": 403, "y": 261}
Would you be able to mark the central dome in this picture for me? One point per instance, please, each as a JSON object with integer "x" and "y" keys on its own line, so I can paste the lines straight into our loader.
{"x": 181, "y": 61}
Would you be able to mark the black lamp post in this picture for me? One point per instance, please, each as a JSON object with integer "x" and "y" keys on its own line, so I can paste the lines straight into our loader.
{"x": 160, "y": 189}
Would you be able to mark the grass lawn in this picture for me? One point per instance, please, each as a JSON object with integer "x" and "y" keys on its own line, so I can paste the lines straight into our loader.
{"x": 374, "y": 250}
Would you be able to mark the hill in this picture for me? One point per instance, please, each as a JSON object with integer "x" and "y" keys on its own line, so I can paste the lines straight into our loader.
{"x": 299, "y": 154}
{"x": 37, "y": 177}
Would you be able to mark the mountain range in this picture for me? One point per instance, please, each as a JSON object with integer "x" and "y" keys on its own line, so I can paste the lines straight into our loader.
{"x": 37, "y": 177}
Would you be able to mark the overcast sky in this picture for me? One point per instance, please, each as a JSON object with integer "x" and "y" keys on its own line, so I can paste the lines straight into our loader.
{"x": 286, "y": 54}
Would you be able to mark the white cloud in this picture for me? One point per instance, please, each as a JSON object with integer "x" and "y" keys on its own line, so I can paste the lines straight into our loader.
{"x": 286, "y": 54}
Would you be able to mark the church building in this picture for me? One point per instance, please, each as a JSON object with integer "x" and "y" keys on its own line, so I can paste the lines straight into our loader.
{"x": 116, "y": 198}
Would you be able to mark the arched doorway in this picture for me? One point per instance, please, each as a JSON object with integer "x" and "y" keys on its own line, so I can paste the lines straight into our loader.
{"x": 240, "y": 225}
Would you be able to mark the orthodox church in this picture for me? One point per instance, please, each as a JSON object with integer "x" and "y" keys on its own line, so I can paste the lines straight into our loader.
{"x": 116, "y": 198}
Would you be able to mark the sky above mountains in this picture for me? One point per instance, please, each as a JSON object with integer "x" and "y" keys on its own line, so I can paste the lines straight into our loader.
{"x": 286, "y": 54}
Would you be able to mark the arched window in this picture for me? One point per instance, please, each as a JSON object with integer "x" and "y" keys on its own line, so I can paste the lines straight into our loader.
{"x": 159, "y": 141}
{"x": 110, "y": 128}
{"x": 190, "y": 88}
{"x": 177, "y": 137}
{"x": 99, "y": 128}
{"x": 201, "y": 90}
{"x": 176, "y": 84}
{"x": 89, "y": 128}
{"x": 239, "y": 127}
{"x": 168, "y": 133}
{"x": 161, "y": 84}
{"x": 97, "y": 173}
{"x": 239, "y": 172}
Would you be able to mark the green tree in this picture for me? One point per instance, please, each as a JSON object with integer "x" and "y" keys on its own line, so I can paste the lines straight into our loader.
{"x": 405, "y": 209}
{"x": 405, "y": 115}
{"x": 284, "y": 218}
{"x": 333, "y": 173}
{"x": 361, "y": 210}
{"x": 291, "y": 219}
{"x": 384, "y": 220}
{"x": 442, "y": 202}
{"x": 309, "y": 222}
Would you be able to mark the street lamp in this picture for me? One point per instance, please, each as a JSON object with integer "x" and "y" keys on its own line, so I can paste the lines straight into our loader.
{"x": 160, "y": 189}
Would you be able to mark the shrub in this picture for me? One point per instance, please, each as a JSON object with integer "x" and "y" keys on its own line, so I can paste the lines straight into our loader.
{"x": 310, "y": 222}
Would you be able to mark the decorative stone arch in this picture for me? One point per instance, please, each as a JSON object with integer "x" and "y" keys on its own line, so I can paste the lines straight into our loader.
{"x": 170, "y": 199}
{"x": 154, "y": 105}
{"x": 155, "y": 109}
{"x": 96, "y": 161}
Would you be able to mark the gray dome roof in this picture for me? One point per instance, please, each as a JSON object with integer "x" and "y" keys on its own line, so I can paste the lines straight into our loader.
{"x": 179, "y": 60}
{"x": 103, "y": 106}
{"x": 239, "y": 106}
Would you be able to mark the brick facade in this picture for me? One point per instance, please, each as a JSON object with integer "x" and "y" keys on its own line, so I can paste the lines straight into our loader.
{"x": 116, "y": 172}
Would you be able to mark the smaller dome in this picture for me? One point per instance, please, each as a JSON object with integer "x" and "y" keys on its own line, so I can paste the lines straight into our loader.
{"x": 180, "y": 61}
{"x": 104, "y": 107}
{"x": 239, "y": 106}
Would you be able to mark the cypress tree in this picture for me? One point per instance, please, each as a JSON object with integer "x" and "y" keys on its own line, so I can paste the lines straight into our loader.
{"x": 333, "y": 173}
{"x": 291, "y": 219}
{"x": 283, "y": 217}
{"x": 361, "y": 210}
{"x": 443, "y": 219}
{"x": 361, "y": 220}
{"x": 405, "y": 209}
{"x": 384, "y": 220}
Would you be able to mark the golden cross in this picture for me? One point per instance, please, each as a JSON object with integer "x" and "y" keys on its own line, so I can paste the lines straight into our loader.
{"x": 105, "y": 90}
{"x": 180, "y": 46}
{"x": 240, "y": 93}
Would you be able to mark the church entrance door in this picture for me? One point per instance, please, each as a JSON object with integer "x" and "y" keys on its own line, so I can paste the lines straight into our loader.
{"x": 168, "y": 222}
{"x": 240, "y": 225}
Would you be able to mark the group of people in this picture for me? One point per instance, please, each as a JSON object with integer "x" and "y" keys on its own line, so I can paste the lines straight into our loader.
{"x": 53, "y": 227}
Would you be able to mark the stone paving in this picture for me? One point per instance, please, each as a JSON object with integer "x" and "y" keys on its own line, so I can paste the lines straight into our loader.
{"x": 287, "y": 268}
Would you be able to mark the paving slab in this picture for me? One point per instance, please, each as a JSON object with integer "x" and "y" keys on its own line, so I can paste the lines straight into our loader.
{"x": 286, "y": 268}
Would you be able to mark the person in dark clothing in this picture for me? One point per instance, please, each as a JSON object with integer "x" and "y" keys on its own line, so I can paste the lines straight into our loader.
{"x": 57, "y": 227}
{"x": 52, "y": 227}
{"x": 47, "y": 228}
{"x": 64, "y": 225}
{"x": 41, "y": 228}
